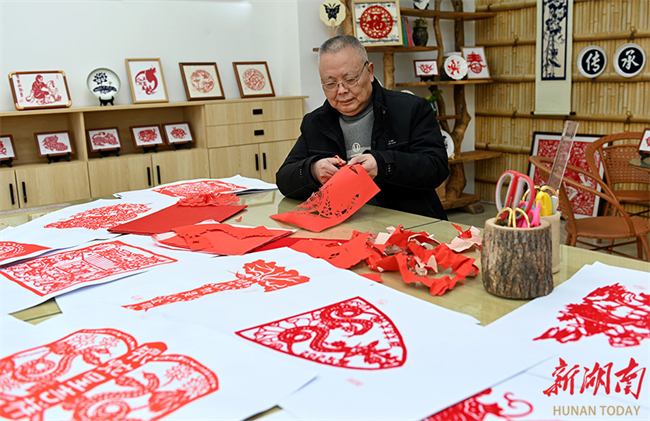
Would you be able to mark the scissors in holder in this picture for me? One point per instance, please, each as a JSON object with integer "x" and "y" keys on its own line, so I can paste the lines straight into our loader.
{"x": 518, "y": 184}
{"x": 511, "y": 218}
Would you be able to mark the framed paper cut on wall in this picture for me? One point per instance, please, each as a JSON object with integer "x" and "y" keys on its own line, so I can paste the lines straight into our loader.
{"x": 33, "y": 90}
{"x": 7, "y": 148}
{"x": 54, "y": 144}
{"x": 147, "y": 80}
{"x": 201, "y": 81}
{"x": 377, "y": 22}
{"x": 107, "y": 139}
{"x": 178, "y": 133}
{"x": 146, "y": 136}
{"x": 546, "y": 144}
{"x": 253, "y": 79}
{"x": 477, "y": 67}
{"x": 644, "y": 145}
{"x": 425, "y": 68}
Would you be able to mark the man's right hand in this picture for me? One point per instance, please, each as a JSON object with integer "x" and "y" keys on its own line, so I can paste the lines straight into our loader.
{"x": 325, "y": 168}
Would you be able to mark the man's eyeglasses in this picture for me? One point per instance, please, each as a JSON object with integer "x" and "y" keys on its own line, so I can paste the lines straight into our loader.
{"x": 348, "y": 83}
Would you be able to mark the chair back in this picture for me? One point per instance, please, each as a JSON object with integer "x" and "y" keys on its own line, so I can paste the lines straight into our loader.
{"x": 545, "y": 164}
{"x": 615, "y": 158}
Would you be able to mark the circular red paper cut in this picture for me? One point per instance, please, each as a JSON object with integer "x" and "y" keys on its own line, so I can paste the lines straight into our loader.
{"x": 376, "y": 22}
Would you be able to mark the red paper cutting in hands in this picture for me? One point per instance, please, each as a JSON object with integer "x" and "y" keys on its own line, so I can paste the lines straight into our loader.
{"x": 176, "y": 215}
{"x": 195, "y": 188}
{"x": 222, "y": 238}
{"x": 338, "y": 199}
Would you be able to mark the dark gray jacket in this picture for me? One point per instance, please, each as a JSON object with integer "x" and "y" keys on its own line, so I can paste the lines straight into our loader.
{"x": 406, "y": 142}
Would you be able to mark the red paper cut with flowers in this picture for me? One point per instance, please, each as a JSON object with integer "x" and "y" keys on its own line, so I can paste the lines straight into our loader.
{"x": 612, "y": 310}
{"x": 265, "y": 274}
{"x": 350, "y": 334}
{"x": 343, "y": 194}
{"x": 471, "y": 409}
{"x": 100, "y": 374}
{"x": 102, "y": 218}
{"x": 54, "y": 273}
{"x": 11, "y": 249}
{"x": 197, "y": 188}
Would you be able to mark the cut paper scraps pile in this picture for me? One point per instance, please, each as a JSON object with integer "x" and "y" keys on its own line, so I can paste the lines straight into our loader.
{"x": 334, "y": 202}
{"x": 222, "y": 239}
{"x": 412, "y": 254}
{"x": 466, "y": 239}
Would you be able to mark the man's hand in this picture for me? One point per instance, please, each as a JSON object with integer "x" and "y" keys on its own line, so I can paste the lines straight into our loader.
{"x": 325, "y": 168}
{"x": 368, "y": 163}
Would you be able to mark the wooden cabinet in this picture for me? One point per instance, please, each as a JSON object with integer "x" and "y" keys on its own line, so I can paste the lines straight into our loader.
{"x": 230, "y": 135}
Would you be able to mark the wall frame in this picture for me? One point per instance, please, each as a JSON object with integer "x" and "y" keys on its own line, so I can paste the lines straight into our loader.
{"x": 377, "y": 22}
{"x": 477, "y": 67}
{"x": 146, "y": 136}
{"x": 40, "y": 89}
{"x": 147, "y": 80}
{"x": 7, "y": 148}
{"x": 546, "y": 144}
{"x": 106, "y": 139}
{"x": 253, "y": 79}
{"x": 201, "y": 81}
{"x": 426, "y": 68}
{"x": 176, "y": 133}
{"x": 53, "y": 143}
{"x": 644, "y": 144}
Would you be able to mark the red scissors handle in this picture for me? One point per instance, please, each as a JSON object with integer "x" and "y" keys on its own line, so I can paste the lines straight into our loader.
{"x": 518, "y": 185}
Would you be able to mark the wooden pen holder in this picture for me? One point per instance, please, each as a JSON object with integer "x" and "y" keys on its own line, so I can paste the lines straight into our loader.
{"x": 517, "y": 262}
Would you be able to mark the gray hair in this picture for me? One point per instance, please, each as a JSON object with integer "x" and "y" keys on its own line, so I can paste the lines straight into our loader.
{"x": 341, "y": 42}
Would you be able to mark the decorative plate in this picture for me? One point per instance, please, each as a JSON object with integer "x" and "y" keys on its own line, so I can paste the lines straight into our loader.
{"x": 629, "y": 60}
{"x": 592, "y": 61}
{"x": 449, "y": 143}
{"x": 103, "y": 83}
{"x": 456, "y": 67}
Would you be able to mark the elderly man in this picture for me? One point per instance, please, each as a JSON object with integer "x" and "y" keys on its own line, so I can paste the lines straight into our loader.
{"x": 393, "y": 135}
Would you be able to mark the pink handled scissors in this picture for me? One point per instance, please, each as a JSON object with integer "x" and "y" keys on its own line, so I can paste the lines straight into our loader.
{"x": 519, "y": 184}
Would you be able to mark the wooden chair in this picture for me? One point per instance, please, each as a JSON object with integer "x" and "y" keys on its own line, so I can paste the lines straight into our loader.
{"x": 619, "y": 226}
{"x": 614, "y": 158}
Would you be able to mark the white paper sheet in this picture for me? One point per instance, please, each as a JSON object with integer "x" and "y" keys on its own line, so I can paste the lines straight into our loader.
{"x": 132, "y": 365}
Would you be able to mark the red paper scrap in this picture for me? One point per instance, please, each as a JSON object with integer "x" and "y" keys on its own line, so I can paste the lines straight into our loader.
{"x": 209, "y": 199}
{"x": 239, "y": 219}
{"x": 176, "y": 215}
{"x": 338, "y": 199}
{"x": 290, "y": 241}
{"x": 342, "y": 255}
{"x": 466, "y": 239}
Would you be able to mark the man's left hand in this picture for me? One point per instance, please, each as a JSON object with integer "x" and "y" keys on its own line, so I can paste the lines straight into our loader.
{"x": 368, "y": 162}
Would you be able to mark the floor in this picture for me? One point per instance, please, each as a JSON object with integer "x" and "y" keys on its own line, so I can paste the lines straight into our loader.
{"x": 478, "y": 220}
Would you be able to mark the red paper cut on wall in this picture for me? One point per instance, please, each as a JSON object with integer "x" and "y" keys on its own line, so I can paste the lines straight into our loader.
{"x": 196, "y": 188}
{"x": 50, "y": 274}
{"x": 612, "y": 310}
{"x": 177, "y": 215}
{"x": 222, "y": 238}
{"x": 338, "y": 199}
{"x": 349, "y": 334}
{"x": 11, "y": 249}
{"x": 471, "y": 409}
{"x": 102, "y": 218}
{"x": 266, "y": 274}
{"x": 100, "y": 374}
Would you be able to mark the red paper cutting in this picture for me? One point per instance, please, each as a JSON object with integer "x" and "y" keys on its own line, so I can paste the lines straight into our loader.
{"x": 174, "y": 216}
{"x": 12, "y": 249}
{"x": 471, "y": 409}
{"x": 195, "y": 188}
{"x": 342, "y": 255}
{"x": 259, "y": 272}
{"x": 101, "y": 218}
{"x": 209, "y": 199}
{"x": 338, "y": 199}
{"x": 136, "y": 381}
{"x": 290, "y": 241}
{"x": 349, "y": 334}
{"x": 50, "y": 274}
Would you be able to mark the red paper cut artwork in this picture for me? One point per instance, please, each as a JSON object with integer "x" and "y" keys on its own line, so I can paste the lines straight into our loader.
{"x": 52, "y": 143}
{"x": 582, "y": 203}
{"x": 100, "y": 374}
{"x": 222, "y": 238}
{"x": 11, "y": 249}
{"x": 209, "y": 199}
{"x": 265, "y": 274}
{"x": 102, "y": 218}
{"x": 178, "y": 133}
{"x": 196, "y": 188}
{"x": 104, "y": 138}
{"x": 427, "y": 68}
{"x": 376, "y": 22}
{"x": 42, "y": 92}
{"x": 472, "y": 409}
{"x": 349, "y": 334}
{"x": 343, "y": 194}
{"x": 147, "y": 81}
{"x": 202, "y": 81}
{"x": 3, "y": 148}
{"x": 147, "y": 135}
{"x": 254, "y": 79}
{"x": 612, "y": 310}
{"x": 475, "y": 63}
{"x": 50, "y": 274}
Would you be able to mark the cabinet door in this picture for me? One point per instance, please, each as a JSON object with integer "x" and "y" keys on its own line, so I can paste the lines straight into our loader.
{"x": 180, "y": 165}
{"x": 115, "y": 174}
{"x": 273, "y": 155}
{"x": 233, "y": 160}
{"x": 54, "y": 183}
{"x": 8, "y": 189}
